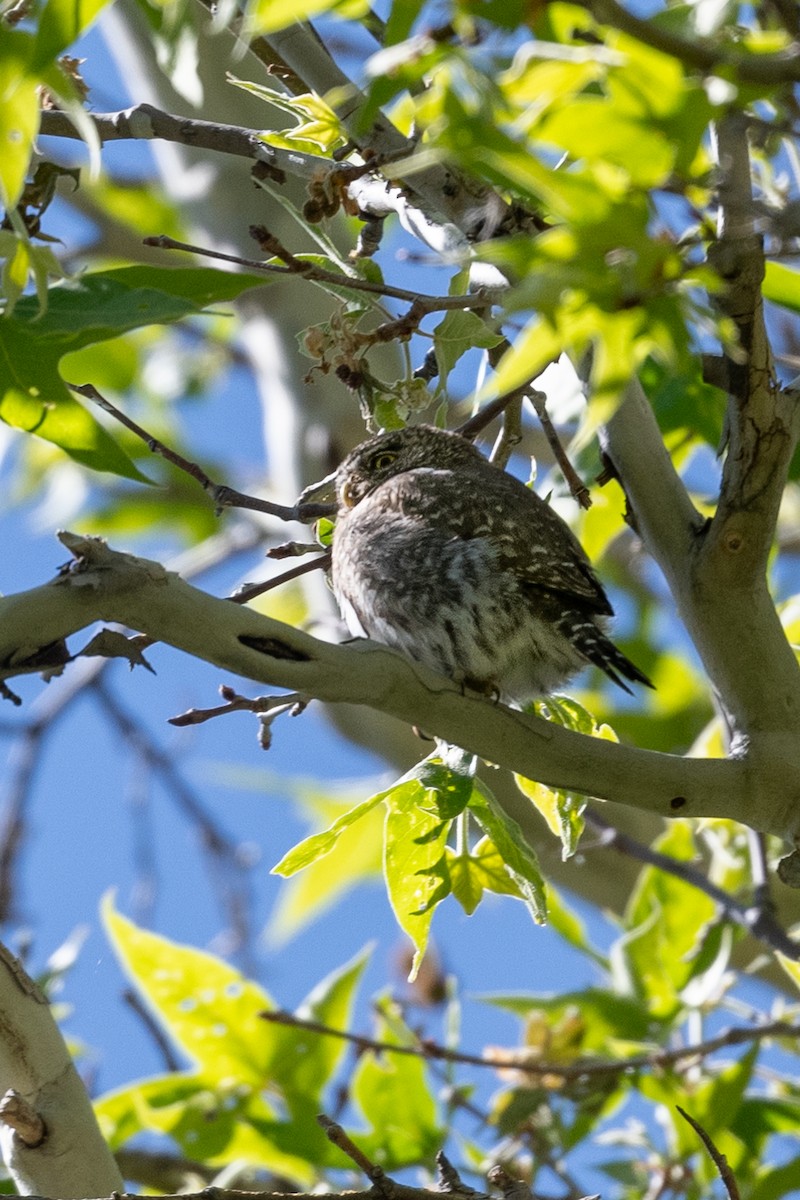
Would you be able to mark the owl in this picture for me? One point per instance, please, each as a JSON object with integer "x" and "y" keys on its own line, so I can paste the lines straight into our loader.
{"x": 458, "y": 565}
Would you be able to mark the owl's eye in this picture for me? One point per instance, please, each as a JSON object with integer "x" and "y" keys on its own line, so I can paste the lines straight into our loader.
{"x": 382, "y": 460}
{"x": 348, "y": 494}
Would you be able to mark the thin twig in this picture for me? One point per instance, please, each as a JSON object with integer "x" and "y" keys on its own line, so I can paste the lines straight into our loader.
{"x": 337, "y": 1136}
{"x": 221, "y": 494}
{"x": 222, "y": 853}
{"x": 582, "y": 1069}
{"x": 478, "y": 422}
{"x": 717, "y": 1157}
{"x": 577, "y": 487}
{"x": 293, "y": 702}
{"x": 136, "y": 1004}
{"x": 308, "y": 270}
{"x": 249, "y": 591}
{"x": 757, "y": 919}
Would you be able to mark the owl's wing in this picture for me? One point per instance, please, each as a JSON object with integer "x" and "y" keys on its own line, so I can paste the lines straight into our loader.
{"x": 530, "y": 539}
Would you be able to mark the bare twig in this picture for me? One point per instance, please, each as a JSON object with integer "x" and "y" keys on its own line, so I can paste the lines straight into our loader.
{"x": 758, "y": 919}
{"x": 296, "y": 266}
{"x": 294, "y": 702}
{"x": 510, "y": 434}
{"x": 249, "y": 591}
{"x": 137, "y": 1005}
{"x": 477, "y": 423}
{"x": 223, "y": 496}
{"x": 717, "y": 1157}
{"x": 223, "y": 855}
{"x": 521, "y": 1061}
{"x": 337, "y": 1136}
{"x": 577, "y": 487}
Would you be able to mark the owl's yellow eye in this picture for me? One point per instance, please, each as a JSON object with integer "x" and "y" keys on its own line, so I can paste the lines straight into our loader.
{"x": 383, "y": 459}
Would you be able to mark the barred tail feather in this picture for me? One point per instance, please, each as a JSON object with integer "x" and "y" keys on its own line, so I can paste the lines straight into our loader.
{"x": 596, "y": 648}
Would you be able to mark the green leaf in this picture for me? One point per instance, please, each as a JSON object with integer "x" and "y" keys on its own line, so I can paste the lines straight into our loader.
{"x": 607, "y": 1017}
{"x": 82, "y": 312}
{"x": 665, "y": 918}
{"x": 414, "y": 861}
{"x": 563, "y": 810}
{"x": 759, "y": 1117}
{"x": 458, "y": 332}
{"x": 358, "y": 858}
{"x": 519, "y": 858}
{"x": 218, "y": 1112}
{"x": 716, "y": 1102}
{"x": 393, "y": 1094}
{"x": 302, "y": 1063}
{"x": 775, "y": 1183}
{"x": 209, "y": 1009}
{"x": 532, "y": 350}
{"x": 19, "y": 113}
{"x": 448, "y": 784}
{"x": 477, "y": 870}
{"x": 569, "y": 926}
{"x": 319, "y": 844}
{"x": 782, "y": 286}
{"x": 215, "y": 1122}
{"x": 61, "y": 22}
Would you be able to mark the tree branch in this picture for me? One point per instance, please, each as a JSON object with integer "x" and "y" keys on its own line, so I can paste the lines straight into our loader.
{"x": 525, "y": 1060}
{"x": 371, "y": 192}
{"x": 141, "y": 594}
{"x": 709, "y": 57}
{"x": 72, "y": 1160}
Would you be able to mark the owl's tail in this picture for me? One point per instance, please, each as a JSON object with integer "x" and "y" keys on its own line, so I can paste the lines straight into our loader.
{"x": 590, "y": 641}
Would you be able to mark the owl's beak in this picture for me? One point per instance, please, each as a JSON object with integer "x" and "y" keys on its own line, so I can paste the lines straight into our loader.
{"x": 313, "y": 498}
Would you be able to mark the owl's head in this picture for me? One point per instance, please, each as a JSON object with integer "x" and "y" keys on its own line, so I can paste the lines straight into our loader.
{"x": 390, "y": 454}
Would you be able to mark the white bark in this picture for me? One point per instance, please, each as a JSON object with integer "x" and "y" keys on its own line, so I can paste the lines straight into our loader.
{"x": 760, "y": 787}
{"x": 72, "y": 1160}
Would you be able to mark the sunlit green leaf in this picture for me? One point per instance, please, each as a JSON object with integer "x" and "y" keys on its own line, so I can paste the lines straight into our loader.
{"x": 782, "y": 285}
{"x": 318, "y": 844}
{"x": 393, "y": 1094}
{"x": 209, "y": 1009}
{"x": 666, "y": 918}
{"x": 519, "y": 858}
{"x": 414, "y": 862}
{"x": 19, "y": 112}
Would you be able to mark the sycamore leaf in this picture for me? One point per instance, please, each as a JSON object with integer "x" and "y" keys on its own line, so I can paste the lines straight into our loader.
{"x": 82, "y": 312}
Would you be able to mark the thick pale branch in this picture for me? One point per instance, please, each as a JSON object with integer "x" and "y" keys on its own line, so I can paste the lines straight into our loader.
{"x": 662, "y": 512}
{"x": 733, "y": 623}
{"x": 72, "y": 1159}
{"x": 762, "y": 422}
{"x": 762, "y": 791}
{"x": 434, "y": 187}
{"x": 438, "y": 190}
{"x": 717, "y": 570}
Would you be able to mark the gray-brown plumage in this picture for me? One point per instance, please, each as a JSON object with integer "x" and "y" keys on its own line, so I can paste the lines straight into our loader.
{"x": 441, "y": 555}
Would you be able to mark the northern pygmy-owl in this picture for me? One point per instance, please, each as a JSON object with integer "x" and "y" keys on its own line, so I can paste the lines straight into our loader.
{"x": 460, "y": 566}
